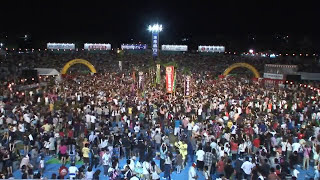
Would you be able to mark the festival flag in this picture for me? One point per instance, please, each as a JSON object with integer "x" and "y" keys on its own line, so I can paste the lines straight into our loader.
{"x": 169, "y": 78}
{"x": 158, "y": 74}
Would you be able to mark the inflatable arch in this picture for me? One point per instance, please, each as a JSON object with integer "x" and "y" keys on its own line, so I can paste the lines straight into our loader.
{"x": 245, "y": 65}
{"x": 78, "y": 61}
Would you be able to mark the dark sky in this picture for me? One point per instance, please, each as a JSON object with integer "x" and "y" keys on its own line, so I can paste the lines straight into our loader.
{"x": 111, "y": 21}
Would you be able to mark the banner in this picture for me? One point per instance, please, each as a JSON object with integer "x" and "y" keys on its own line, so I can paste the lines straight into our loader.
{"x": 211, "y": 49}
{"x": 120, "y": 65}
{"x": 169, "y": 78}
{"x": 134, "y": 76}
{"x": 93, "y": 46}
{"x": 155, "y": 40}
{"x": 141, "y": 79}
{"x": 174, "y": 48}
{"x": 133, "y": 46}
{"x": 61, "y": 46}
{"x": 272, "y": 76}
{"x": 158, "y": 74}
{"x": 174, "y": 82}
{"x": 187, "y": 86}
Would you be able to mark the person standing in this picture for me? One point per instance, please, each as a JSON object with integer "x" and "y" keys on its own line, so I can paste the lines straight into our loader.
{"x": 157, "y": 140}
{"x": 228, "y": 169}
{"x": 177, "y": 124}
{"x": 306, "y": 157}
{"x": 163, "y": 152}
{"x": 192, "y": 172}
{"x": 85, "y": 155}
{"x": 73, "y": 171}
{"x": 200, "y": 158}
{"x": 106, "y": 161}
{"x": 155, "y": 171}
{"x": 247, "y": 168}
{"x": 208, "y": 159}
{"x": 167, "y": 166}
{"x": 179, "y": 162}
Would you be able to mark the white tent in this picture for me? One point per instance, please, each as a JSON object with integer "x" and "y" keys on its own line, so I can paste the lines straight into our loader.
{"x": 47, "y": 72}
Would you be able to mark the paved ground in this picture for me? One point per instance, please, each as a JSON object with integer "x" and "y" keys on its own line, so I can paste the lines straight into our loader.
{"x": 53, "y": 168}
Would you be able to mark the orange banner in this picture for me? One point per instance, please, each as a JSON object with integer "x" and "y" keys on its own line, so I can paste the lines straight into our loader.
{"x": 169, "y": 78}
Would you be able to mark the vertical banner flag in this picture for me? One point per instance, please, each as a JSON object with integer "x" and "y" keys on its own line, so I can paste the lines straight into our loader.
{"x": 140, "y": 82}
{"x": 155, "y": 40}
{"x": 169, "y": 78}
{"x": 120, "y": 65}
{"x": 158, "y": 75}
{"x": 134, "y": 76}
{"x": 174, "y": 81}
{"x": 187, "y": 86}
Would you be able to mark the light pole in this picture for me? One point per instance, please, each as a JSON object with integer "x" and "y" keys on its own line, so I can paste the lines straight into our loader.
{"x": 155, "y": 30}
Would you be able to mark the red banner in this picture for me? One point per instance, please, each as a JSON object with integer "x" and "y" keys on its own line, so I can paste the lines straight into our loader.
{"x": 169, "y": 78}
{"x": 187, "y": 86}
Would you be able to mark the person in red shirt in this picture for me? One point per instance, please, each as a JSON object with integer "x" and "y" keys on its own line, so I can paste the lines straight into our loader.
{"x": 61, "y": 133}
{"x": 220, "y": 167}
{"x": 63, "y": 171}
{"x": 234, "y": 148}
{"x": 256, "y": 144}
{"x": 70, "y": 133}
{"x": 300, "y": 135}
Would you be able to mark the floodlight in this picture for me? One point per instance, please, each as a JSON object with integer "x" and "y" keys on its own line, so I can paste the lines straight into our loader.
{"x": 155, "y": 28}
{"x": 251, "y": 51}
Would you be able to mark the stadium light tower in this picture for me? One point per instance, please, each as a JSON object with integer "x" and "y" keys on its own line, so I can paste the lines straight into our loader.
{"x": 155, "y": 30}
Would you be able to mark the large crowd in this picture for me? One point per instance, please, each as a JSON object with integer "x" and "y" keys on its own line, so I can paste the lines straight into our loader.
{"x": 229, "y": 128}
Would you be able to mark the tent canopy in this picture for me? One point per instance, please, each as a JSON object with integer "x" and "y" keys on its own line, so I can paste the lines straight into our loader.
{"x": 47, "y": 72}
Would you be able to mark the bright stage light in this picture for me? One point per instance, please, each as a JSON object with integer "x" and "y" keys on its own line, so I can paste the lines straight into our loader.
{"x": 251, "y": 51}
{"x": 155, "y": 28}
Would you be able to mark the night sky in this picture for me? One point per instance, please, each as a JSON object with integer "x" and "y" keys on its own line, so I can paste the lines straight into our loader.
{"x": 199, "y": 20}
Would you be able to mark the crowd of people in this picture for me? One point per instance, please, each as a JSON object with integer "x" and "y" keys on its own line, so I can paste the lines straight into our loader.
{"x": 229, "y": 128}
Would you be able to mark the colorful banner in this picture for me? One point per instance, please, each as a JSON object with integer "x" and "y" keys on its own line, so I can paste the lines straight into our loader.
{"x": 174, "y": 48}
{"x": 187, "y": 86}
{"x": 93, "y": 46}
{"x": 133, "y": 46}
{"x": 211, "y": 49}
{"x": 158, "y": 74}
{"x": 169, "y": 78}
{"x": 174, "y": 81}
{"x": 61, "y": 46}
{"x": 155, "y": 40}
{"x": 140, "y": 82}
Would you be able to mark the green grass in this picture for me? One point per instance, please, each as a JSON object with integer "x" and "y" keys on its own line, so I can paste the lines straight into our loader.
{"x": 57, "y": 161}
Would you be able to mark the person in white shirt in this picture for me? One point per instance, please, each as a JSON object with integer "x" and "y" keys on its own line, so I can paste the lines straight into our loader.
{"x": 247, "y": 167}
{"x": 89, "y": 174}
{"x": 88, "y": 120}
{"x": 93, "y": 121}
{"x": 296, "y": 146}
{"x": 73, "y": 171}
{"x": 190, "y": 127}
{"x": 192, "y": 172}
{"x": 295, "y": 173}
{"x": 137, "y": 128}
{"x": 106, "y": 160}
{"x": 200, "y": 158}
{"x": 146, "y": 169}
{"x": 26, "y": 118}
